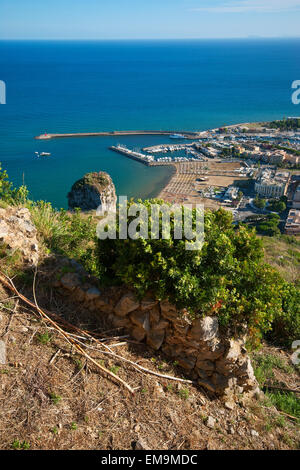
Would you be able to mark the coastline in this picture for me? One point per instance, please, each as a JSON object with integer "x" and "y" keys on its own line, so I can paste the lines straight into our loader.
{"x": 160, "y": 188}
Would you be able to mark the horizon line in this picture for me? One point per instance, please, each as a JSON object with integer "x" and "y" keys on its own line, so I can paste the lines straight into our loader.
{"x": 152, "y": 39}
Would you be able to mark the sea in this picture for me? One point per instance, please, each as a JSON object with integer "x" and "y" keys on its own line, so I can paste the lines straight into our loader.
{"x": 90, "y": 86}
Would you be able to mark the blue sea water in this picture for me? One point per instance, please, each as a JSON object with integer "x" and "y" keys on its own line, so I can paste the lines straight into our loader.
{"x": 59, "y": 87}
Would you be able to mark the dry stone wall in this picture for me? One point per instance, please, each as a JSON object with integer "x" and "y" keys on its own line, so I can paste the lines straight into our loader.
{"x": 214, "y": 361}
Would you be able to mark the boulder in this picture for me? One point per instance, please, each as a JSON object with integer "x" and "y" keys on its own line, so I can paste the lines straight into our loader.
{"x": 204, "y": 329}
{"x": 70, "y": 281}
{"x": 126, "y": 304}
{"x": 141, "y": 319}
{"x": 155, "y": 338}
{"x": 92, "y": 294}
{"x": 18, "y": 233}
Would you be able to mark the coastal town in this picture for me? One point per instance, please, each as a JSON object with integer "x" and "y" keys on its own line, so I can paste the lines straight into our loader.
{"x": 253, "y": 170}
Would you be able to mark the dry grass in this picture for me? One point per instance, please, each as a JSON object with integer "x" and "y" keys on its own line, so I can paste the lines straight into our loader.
{"x": 52, "y": 399}
{"x": 283, "y": 256}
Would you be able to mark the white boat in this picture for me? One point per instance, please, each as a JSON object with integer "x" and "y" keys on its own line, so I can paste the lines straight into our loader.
{"x": 177, "y": 136}
{"x": 45, "y": 154}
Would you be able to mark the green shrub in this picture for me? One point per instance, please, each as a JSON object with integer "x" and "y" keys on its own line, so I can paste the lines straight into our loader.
{"x": 226, "y": 277}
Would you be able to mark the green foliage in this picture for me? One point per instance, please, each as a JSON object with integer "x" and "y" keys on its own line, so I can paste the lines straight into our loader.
{"x": 264, "y": 365}
{"x": 18, "y": 445}
{"x": 44, "y": 338}
{"x": 184, "y": 393}
{"x": 290, "y": 124}
{"x": 69, "y": 234}
{"x": 277, "y": 206}
{"x": 226, "y": 277}
{"x": 54, "y": 398}
{"x": 270, "y": 225}
{"x": 287, "y": 402}
{"x": 9, "y": 194}
{"x": 260, "y": 203}
{"x": 286, "y": 322}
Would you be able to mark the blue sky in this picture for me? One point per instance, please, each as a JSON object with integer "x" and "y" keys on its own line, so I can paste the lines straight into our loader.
{"x": 148, "y": 19}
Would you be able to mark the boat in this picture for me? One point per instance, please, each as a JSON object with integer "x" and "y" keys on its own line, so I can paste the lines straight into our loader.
{"x": 45, "y": 154}
{"x": 177, "y": 136}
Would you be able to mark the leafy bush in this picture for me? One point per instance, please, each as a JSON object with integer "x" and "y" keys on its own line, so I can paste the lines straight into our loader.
{"x": 270, "y": 225}
{"x": 260, "y": 203}
{"x": 277, "y": 206}
{"x": 226, "y": 277}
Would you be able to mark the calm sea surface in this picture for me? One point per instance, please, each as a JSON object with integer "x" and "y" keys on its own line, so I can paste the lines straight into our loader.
{"x": 94, "y": 86}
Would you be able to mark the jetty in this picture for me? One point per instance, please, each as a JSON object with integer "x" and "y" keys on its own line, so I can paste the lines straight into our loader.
{"x": 140, "y": 157}
{"x": 186, "y": 134}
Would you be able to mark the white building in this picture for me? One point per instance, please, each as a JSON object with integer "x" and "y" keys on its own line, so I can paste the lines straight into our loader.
{"x": 271, "y": 183}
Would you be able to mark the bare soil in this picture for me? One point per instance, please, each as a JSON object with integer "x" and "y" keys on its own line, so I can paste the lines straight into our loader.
{"x": 51, "y": 398}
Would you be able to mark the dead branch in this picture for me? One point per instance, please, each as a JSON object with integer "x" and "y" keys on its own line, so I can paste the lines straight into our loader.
{"x": 9, "y": 283}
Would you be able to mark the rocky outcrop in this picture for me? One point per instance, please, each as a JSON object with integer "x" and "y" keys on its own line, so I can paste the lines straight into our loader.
{"x": 92, "y": 191}
{"x": 216, "y": 362}
{"x": 19, "y": 234}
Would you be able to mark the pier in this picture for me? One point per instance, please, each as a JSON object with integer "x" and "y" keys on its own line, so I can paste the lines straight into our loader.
{"x": 186, "y": 134}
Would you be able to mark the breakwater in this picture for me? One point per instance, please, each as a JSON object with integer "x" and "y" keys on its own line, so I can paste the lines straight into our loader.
{"x": 186, "y": 134}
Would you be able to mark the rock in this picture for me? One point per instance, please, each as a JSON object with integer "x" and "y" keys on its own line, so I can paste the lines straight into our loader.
{"x": 92, "y": 294}
{"x": 187, "y": 363}
{"x": 121, "y": 322}
{"x": 168, "y": 311}
{"x": 206, "y": 384}
{"x": 211, "y": 422}
{"x": 70, "y": 281}
{"x": 141, "y": 445}
{"x": 154, "y": 314}
{"x": 138, "y": 333}
{"x": 211, "y": 350}
{"x": 78, "y": 294}
{"x": 4, "y": 229}
{"x": 222, "y": 383}
{"x": 158, "y": 389}
{"x": 155, "y": 338}
{"x": 141, "y": 319}
{"x": 205, "y": 364}
{"x": 126, "y": 304}
{"x": 234, "y": 350}
{"x": 148, "y": 304}
{"x": 254, "y": 433}
{"x": 230, "y": 405}
{"x": 204, "y": 329}
{"x": 2, "y": 352}
{"x": 92, "y": 191}
{"x": 19, "y": 234}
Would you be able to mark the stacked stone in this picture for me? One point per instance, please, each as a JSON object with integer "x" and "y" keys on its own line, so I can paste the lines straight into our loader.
{"x": 18, "y": 233}
{"x": 216, "y": 362}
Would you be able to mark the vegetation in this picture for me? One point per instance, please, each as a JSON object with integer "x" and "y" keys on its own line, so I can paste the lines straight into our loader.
{"x": 259, "y": 202}
{"x": 269, "y": 226}
{"x": 277, "y": 206}
{"x": 291, "y": 124}
{"x": 226, "y": 277}
{"x": 267, "y": 368}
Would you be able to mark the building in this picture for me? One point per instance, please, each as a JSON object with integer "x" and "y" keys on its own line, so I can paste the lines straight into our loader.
{"x": 292, "y": 226}
{"x": 296, "y": 198}
{"x": 271, "y": 183}
{"x": 231, "y": 195}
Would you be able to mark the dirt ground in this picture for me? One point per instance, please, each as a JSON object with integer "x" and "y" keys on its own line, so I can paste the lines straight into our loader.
{"x": 51, "y": 398}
